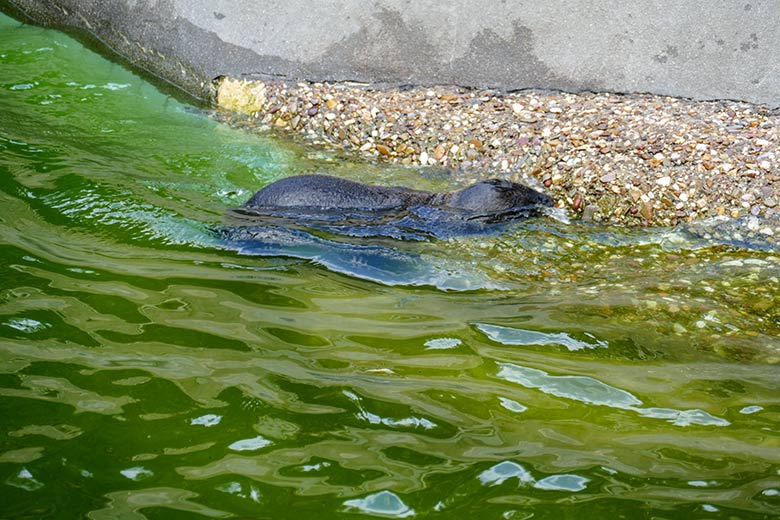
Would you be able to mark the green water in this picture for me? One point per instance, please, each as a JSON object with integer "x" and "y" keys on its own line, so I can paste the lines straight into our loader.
{"x": 148, "y": 370}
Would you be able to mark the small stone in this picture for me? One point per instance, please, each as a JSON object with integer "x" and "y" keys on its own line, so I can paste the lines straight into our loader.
{"x": 577, "y": 202}
{"x": 589, "y": 213}
{"x": 424, "y": 159}
{"x": 439, "y": 152}
{"x": 517, "y": 108}
{"x": 384, "y": 150}
{"x": 312, "y": 111}
{"x": 607, "y": 178}
{"x": 646, "y": 211}
{"x": 331, "y": 104}
{"x": 664, "y": 181}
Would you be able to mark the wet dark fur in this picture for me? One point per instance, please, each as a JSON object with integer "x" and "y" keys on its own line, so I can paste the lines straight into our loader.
{"x": 325, "y": 192}
{"x": 353, "y": 209}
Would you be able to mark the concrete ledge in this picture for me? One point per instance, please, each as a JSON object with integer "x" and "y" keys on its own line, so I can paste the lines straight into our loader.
{"x": 695, "y": 49}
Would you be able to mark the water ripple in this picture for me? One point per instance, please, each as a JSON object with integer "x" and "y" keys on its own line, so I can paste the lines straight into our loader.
{"x": 593, "y": 391}
{"x": 552, "y": 368}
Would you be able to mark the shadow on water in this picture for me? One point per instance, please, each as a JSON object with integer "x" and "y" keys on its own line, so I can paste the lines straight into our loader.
{"x": 151, "y": 367}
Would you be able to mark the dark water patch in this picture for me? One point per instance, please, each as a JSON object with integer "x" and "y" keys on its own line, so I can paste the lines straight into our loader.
{"x": 120, "y": 307}
{"x": 154, "y": 333}
{"x": 297, "y": 338}
{"x": 412, "y": 457}
{"x": 249, "y": 289}
{"x": 42, "y": 325}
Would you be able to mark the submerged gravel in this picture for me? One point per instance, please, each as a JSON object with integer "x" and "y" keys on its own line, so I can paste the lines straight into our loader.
{"x": 630, "y": 159}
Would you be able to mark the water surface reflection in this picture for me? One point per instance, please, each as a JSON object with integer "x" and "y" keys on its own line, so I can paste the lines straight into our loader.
{"x": 146, "y": 370}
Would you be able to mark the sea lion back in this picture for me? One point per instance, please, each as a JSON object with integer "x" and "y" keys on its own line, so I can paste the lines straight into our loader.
{"x": 329, "y": 192}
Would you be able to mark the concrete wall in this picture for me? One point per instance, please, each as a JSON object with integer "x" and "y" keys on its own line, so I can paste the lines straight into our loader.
{"x": 700, "y": 49}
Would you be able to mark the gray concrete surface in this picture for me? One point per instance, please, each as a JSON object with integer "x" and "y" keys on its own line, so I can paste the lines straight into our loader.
{"x": 698, "y": 49}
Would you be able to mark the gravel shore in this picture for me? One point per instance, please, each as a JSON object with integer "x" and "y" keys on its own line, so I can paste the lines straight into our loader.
{"x": 629, "y": 159}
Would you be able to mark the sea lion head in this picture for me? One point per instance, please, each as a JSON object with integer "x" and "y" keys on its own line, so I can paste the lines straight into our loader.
{"x": 496, "y": 195}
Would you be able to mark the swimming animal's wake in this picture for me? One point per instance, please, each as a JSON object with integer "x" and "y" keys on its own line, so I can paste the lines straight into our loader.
{"x": 378, "y": 263}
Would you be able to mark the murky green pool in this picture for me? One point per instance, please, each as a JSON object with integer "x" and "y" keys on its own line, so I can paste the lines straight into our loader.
{"x": 148, "y": 370}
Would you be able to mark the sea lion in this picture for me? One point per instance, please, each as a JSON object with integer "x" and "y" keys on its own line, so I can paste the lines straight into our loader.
{"x": 325, "y": 192}
{"x": 353, "y": 209}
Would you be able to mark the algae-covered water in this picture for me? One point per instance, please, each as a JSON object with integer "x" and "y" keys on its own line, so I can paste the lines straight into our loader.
{"x": 149, "y": 369}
